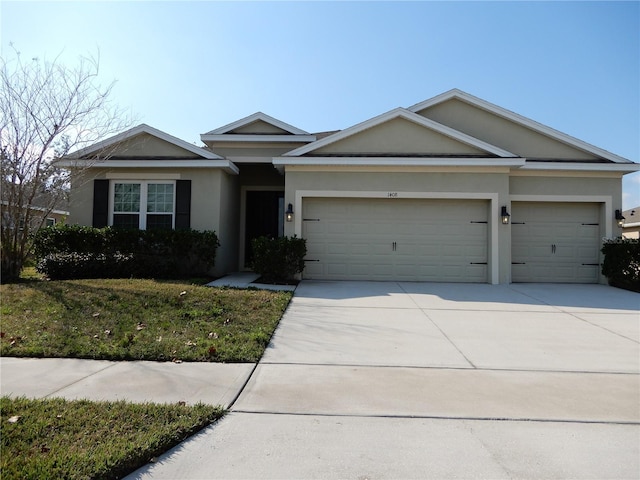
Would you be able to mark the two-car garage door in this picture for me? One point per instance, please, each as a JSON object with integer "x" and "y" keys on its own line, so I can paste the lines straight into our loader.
{"x": 396, "y": 239}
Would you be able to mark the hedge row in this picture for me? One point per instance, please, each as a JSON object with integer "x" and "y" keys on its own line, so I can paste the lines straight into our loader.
{"x": 622, "y": 263}
{"x": 278, "y": 260}
{"x": 73, "y": 251}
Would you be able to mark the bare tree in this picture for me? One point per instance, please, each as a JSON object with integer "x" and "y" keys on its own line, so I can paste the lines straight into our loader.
{"x": 48, "y": 110}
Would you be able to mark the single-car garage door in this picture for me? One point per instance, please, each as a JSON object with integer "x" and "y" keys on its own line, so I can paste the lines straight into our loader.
{"x": 395, "y": 239}
{"x": 555, "y": 242}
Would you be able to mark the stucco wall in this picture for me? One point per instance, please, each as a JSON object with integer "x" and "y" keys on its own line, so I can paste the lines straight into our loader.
{"x": 398, "y": 136}
{"x": 501, "y": 132}
{"x": 145, "y": 145}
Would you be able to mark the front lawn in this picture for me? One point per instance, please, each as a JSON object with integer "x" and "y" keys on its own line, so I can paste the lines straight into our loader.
{"x": 126, "y": 319}
{"x": 56, "y": 438}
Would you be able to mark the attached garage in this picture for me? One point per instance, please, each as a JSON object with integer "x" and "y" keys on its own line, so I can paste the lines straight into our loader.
{"x": 555, "y": 242}
{"x": 439, "y": 240}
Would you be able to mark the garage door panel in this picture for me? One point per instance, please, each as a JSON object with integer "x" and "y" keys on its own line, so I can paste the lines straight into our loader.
{"x": 386, "y": 239}
{"x": 554, "y": 242}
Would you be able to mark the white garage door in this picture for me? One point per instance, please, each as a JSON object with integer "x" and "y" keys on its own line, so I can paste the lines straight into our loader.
{"x": 395, "y": 239}
{"x": 555, "y": 242}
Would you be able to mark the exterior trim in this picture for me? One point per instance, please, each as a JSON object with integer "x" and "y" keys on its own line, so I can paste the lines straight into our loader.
{"x": 253, "y": 118}
{"x": 407, "y": 115}
{"x": 226, "y": 165}
{"x": 494, "y": 264}
{"x": 519, "y": 119}
{"x": 594, "y": 167}
{"x": 400, "y": 161}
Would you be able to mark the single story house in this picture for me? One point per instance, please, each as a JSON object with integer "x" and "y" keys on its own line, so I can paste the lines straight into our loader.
{"x": 452, "y": 189}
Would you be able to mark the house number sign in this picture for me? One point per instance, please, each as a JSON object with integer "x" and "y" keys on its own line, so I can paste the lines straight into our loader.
{"x": 392, "y": 194}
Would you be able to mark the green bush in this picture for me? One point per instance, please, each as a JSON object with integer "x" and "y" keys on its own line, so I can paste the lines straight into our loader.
{"x": 72, "y": 251}
{"x": 278, "y": 260}
{"x": 622, "y": 263}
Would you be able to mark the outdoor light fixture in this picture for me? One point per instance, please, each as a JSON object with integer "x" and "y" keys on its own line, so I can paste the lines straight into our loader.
{"x": 288, "y": 215}
{"x": 619, "y": 218}
{"x": 505, "y": 216}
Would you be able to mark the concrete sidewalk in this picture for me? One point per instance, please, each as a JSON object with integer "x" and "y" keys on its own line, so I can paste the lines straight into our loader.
{"x": 212, "y": 383}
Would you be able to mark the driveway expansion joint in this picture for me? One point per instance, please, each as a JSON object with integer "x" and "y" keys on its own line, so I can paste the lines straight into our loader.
{"x": 438, "y": 417}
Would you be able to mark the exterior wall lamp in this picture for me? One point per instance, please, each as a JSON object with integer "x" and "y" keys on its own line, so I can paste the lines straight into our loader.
{"x": 619, "y": 218}
{"x": 288, "y": 215}
{"x": 504, "y": 215}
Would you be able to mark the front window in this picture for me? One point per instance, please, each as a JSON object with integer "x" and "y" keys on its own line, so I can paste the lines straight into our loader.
{"x": 143, "y": 205}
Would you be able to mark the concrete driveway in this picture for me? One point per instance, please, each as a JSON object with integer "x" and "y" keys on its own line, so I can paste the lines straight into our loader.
{"x": 370, "y": 380}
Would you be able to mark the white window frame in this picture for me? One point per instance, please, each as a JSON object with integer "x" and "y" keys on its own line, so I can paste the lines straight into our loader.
{"x": 144, "y": 186}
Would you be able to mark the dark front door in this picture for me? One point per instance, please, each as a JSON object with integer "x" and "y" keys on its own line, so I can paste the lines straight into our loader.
{"x": 264, "y": 217}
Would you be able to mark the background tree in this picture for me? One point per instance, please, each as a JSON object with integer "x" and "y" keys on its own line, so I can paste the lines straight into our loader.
{"x": 48, "y": 110}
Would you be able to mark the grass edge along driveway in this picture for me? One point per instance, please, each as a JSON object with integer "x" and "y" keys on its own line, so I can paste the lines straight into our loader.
{"x": 135, "y": 319}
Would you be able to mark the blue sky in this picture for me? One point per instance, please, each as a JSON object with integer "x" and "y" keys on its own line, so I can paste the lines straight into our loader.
{"x": 189, "y": 67}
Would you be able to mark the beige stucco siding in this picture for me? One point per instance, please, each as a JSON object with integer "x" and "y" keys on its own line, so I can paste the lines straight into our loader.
{"x": 81, "y": 197}
{"x": 569, "y": 185}
{"x": 260, "y": 127}
{"x": 145, "y": 145}
{"x": 394, "y": 181}
{"x": 501, "y": 132}
{"x": 399, "y": 136}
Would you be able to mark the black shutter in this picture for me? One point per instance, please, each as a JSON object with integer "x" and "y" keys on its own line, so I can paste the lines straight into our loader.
{"x": 100, "y": 203}
{"x": 183, "y": 204}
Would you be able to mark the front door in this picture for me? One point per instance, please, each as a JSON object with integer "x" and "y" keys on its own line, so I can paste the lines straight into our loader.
{"x": 264, "y": 217}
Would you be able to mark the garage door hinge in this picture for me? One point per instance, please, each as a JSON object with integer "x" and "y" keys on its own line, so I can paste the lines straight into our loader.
{"x": 591, "y": 264}
{"x": 518, "y": 223}
{"x": 518, "y": 263}
{"x": 472, "y": 221}
{"x": 477, "y": 263}
{"x": 592, "y": 224}
{"x": 310, "y": 219}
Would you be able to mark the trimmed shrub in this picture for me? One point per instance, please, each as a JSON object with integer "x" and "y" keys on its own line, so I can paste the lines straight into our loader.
{"x": 121, "y": 253}
{"x": 278, "y": 260}
{"x": 63, "y": 266}
{"x": 622, "y": 263}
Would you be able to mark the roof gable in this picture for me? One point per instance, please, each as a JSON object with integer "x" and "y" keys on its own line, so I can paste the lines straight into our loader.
{"x": 143, "y": 141}
{"x": 399, "y": 132}
{"x": 507, "y": 129}
{"x": 258, "y": 123}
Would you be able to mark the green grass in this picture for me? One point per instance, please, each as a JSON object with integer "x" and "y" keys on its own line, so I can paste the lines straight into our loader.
{"x": 55, "y": 438}
{"x": 126, "y": 319}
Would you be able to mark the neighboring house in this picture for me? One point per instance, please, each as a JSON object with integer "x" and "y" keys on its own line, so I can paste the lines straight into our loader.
{"x": 41, "y": 211}
{"x": 631, "y": 223}
{"x": 452, "y": 189}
